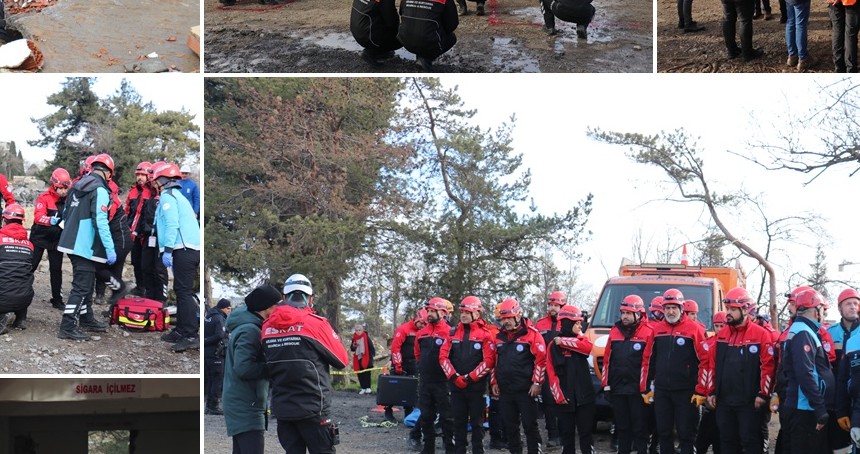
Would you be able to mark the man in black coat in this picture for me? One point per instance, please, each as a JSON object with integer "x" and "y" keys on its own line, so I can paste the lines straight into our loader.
{"x": 214, "y": 343}
{"x": 579, "y": 12}
{"x": 374, "y": 25}
{"x": 427, "y": 29}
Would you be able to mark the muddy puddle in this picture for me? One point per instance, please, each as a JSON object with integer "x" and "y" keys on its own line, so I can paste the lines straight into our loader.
{"x": 104, "y": 35}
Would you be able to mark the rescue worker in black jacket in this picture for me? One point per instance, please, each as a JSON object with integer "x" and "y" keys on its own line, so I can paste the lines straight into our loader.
{"x": 549, "y": 326}
{"x": 427, "y": 29}
{"x": 743, "y": 376}
{"x": 154, "y": 272}
{"x": 622, "y": 368}
{"x": 467, "y": 359}
{"x": 45, "y": 232}
{"x": 518, "y": 376}
{"x": 673, "y": 363}
{"x": 374, "y": 25}
{"x": 16, "y": 258}
{"x": 579, "y": 12}
{"x": 433, "y": 395}
{"x": 403, "y": 363}
{"x": 570, "y": 382}
{"x": 810, "y": 386}
{"x": 214, "y": 349}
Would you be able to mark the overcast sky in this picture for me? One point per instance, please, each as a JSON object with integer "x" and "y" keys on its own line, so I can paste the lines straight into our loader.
{"x": 554, "y": 111}
{"x": 23, "y": 97}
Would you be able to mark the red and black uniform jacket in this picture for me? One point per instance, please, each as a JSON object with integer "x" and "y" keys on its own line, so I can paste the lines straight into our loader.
{"x": 428, "y": 342}
{"x": 374, "y": 24}
{"x": 673, "y": 360}
{"x": 117, "y": 221}
{"x": 403, "y": 347}
{"x": 16, "y": 268}
{"x": 568, "y": 372}
{"x": 622, "y": 358}
{"x": 6, "y": 190}
{"x": 548, "y": 327}
{"x": 366, "y": 360}
{"x": 48, "y": 205}
{"x": 427, "y": 26}
{"x": 520, "y": 359}
{"x": 471, "y": 352}
{"x": 742, "y": 365}
{"x": 134, "y": 204}
{"x": 299, "y": 348}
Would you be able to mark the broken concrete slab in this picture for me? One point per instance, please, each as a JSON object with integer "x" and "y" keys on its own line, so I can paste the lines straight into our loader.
{"x": 146, "y": 66}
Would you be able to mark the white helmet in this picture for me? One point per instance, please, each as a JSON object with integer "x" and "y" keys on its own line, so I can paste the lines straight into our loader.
{"x": 298, "y": 283}
{"x": 185, "y": 169}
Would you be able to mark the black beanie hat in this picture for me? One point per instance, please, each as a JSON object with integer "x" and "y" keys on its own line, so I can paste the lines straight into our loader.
{"x": 224, "y": 303}
{"x": 262, "y": 298}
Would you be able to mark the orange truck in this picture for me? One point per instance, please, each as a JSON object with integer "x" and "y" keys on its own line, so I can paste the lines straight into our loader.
{"x": 705, "y": 285}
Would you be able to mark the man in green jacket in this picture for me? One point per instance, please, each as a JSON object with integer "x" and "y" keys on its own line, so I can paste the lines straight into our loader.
{"x": 246, "y": 384}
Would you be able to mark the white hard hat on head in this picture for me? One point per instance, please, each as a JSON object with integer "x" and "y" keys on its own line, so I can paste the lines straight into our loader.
{"x": 298, "y": 283}
{"x": 185, "y": 169}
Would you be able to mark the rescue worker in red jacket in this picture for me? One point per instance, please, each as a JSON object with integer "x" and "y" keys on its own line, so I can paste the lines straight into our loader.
{"x": 691, "y": 310}
{"x": 549, "y": 327}
{"x": 45, "y": 233}
{"x": 622, "y": 368}
{"x": 16, "y": 258}
{"x": 707, "y": 435}
{"x": 672, "y": 364}
{"x": 518, "y": 376}
{"x": 6, "y": 188}
{"x": 655, "y": 310}
{"x": 742, "y": 371}
{"x": 135, "y": 201}
{"x": 467, "y": 359}
{"x": 433, "y": 395}
{"x": 570, "y": 382}
{"x": 403, "y": 363}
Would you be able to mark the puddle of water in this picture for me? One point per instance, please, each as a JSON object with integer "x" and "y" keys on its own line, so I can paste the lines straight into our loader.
{"x": 597, "y": 30}
{"x": 508, "y": 55}
{"x": 342, "y": 41}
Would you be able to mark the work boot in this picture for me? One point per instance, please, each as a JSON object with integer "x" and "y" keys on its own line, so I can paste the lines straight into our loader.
{"x": 551, "y": 31}
{"x": 581, "y": 31}
{"x": 58, "y": 304}
{"x": 93, "y": 325}
{"x": 804, "y": 63}
{"x": 213, "y": 408}
{"x": 461, "y": 7}
{"x": 756, "y": 53}
{"x": 137, "y": 291}
{"x": 389, "y": 415}
{"x": 791, "y": 61}
{"x": 20, "y": 323}
{"x": 5, "y": 319}
{"x": 480, "y": 9}
{"x": 424, "y": 64}
{"x": 69, "y": 329}
{"x": 172, "y": 337}
{"x": 186, "y": 343}
{"x": 370, "y": 58}
{"x": 694, "y": 27}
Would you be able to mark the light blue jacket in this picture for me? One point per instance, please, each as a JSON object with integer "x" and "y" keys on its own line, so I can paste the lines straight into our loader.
{"x": 175, "y": 222}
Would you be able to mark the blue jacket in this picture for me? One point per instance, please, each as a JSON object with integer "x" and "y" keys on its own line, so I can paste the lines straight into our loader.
{"x": 246, "y": 383}
{"x": 810, "y": 385}
{"x": 175, "y": 223}
{"x": 86, "y": 232}
{"x": 848, "y": 379}
{"x": 192, "y": 193}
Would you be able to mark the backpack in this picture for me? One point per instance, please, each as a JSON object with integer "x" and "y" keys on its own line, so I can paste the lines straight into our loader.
{"x": 140, "y": 314}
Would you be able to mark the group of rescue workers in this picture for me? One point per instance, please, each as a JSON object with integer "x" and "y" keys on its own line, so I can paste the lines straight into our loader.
{"x": 661, "y": 372}
{"x": 85, "y": 219}
{"x": 426, "y": 27}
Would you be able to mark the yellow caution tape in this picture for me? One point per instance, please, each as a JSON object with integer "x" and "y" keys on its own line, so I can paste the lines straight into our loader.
{"x": 348, "y": 372}
{"x": 365, "y": 423}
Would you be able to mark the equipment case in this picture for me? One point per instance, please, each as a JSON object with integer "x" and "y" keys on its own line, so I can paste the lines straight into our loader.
{"x": 399, "y": 390}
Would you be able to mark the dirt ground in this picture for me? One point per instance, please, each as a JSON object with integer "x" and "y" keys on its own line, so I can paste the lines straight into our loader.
{"x": 37, "y": 350}
{"x": 309, "y": 36}
{"x": 706, "y": 51}
{"x": 348, "y": 407}
{"x": 101, "y": 36}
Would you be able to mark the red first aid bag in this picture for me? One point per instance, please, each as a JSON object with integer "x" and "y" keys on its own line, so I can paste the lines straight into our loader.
{"x": 140, "y": 314}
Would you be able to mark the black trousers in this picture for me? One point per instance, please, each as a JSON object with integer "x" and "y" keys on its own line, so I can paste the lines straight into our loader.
{"x": 685, "y": 15}
{"x": 571, "y": 422}
{"x": 137, "y": 263}
{"x": 734, "y": 12}
{"x": 186, "y": 266}
{"x": 155, "y": 274}
{"x": 708, "y": 435}
{"x": 468, "y": 406}
{"x": 364, "y": 380}
{"x": 673, "y": 410}
{"x": 497, "y": 428}
{"x": 517, "y": 408}
{"x": 251, "y": 442}
{"x": 740, "y": 429}
{"x": 550, "y": 412}
{"x": 306, "y": 435}
{"x": 782, "y": 436}
{"x": 213, "y": 378}
{"x": 55, "y": 267}
{"x": 433, "y": 398}
{"x": 628, "y": 411}
{"x": 105, "y": 272}
{"x": 80, "y": 302}
{"x": 802, "y": 436}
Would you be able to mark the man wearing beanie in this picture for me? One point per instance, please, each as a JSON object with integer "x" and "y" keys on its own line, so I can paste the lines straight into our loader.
{"x": 299, "y": 347}
{"x": 246, "y": 384}
{"x": 214, "y": 347}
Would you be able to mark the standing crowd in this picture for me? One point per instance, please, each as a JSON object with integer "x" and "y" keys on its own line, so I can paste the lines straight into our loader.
{"x": 85, "y": 219}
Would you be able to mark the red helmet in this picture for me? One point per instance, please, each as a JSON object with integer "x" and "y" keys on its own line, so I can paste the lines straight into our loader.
{"x": 570, "y": 312}
{"x": 105, "y": 160}
{"x": 691, "y": 306}
{"x": 633, "y": 303}
{"x": 808, "y": 299}
{"x": 14, "y": 211}
{"x": 165, "y": 169}
{"x": 421, "y": 316}
{"x": 720, "y": 317}
{"x": 60, "y": 178}
{"x": 87, "y": 164}
{"x": 738, "y": 297}
{"x": 143, "y": 168}
{"x": 673, "y": 296}
{"x": 509, "y": 308}
{"x": 793, "y": 295}
{"x": 557, "y": 298}
{"x": 436, "y": 303}
{"x": 656, "y": 304}
{"x": 471, "y": 304}
{"x": 846, "y": 294}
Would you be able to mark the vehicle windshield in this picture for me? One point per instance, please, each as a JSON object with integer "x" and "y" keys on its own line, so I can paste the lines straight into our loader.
{"x": 607, "y": 311}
